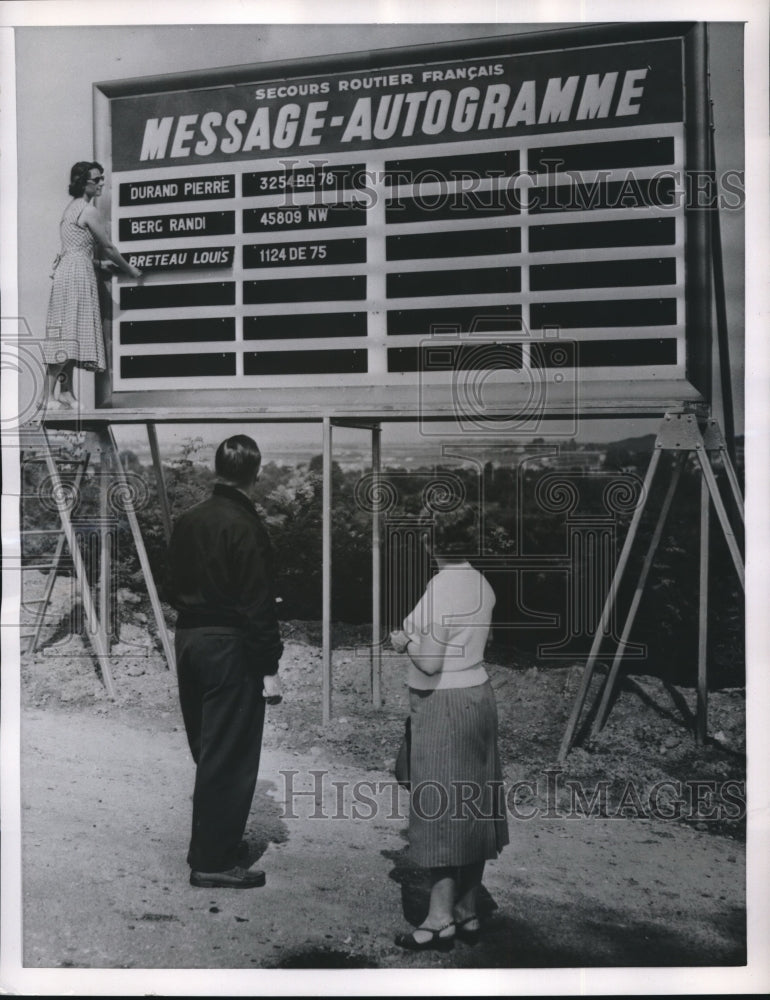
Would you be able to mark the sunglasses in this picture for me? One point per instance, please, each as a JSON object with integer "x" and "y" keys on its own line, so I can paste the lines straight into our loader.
{"x": 96, "y": 180}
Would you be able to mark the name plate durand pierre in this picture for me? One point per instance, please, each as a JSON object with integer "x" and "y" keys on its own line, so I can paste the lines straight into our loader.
{"x": 173, "y": 189}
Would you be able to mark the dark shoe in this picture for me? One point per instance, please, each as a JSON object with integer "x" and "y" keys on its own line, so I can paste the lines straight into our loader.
{"x": 233, "y": 878}
{"x": 438, "y": 941}
{"x": 242, "y": 855}
{"x": 470, "y": 935}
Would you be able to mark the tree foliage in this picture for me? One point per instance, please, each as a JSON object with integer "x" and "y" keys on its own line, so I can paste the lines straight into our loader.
{"x": 549, "y": 539}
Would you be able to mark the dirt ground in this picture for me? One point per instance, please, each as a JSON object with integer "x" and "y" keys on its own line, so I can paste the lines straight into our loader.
{"x": 651, "y": 874}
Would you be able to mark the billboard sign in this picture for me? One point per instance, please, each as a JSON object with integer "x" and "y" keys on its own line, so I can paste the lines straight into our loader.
{"x": 511, "y": 215}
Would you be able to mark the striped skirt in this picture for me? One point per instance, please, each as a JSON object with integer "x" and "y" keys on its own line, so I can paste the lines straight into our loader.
{"x": 457, "y": 802}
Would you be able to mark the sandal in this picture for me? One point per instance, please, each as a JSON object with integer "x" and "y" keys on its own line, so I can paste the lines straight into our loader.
{"x": 437, "y": 941}
{"x": 470, "y": 935}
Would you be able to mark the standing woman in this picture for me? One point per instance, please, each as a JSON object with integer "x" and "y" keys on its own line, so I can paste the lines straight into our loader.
{"x": 74, "y": 333}
{"x": 456, "y": 817}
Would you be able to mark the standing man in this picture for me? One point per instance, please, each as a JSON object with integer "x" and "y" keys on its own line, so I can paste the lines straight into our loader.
{"x": 228, "y": 645}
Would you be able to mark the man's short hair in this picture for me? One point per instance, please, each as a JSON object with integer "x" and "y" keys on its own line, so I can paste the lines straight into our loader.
{"x": 237, "y": 460}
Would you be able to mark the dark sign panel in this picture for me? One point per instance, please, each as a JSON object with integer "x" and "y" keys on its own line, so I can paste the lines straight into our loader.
{"x": 176, "y": 331}
{"x": 181, "y": 260}
{"x": 301, "y": 254}
{"x": 297, "y": 180}
{"x": 428, "y": 103}
{"x": 150, "y": 192}
{"x": 316, "y": 216}
{"x": 304, "y": 289}
{"x": 198, "y": 293}
{"x": 151, "y": 227}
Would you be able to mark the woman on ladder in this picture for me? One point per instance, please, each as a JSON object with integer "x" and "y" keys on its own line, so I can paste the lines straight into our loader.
{"x": 74, "y": 323}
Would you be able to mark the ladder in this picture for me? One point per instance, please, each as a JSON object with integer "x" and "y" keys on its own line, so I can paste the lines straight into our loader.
{"x": 79, "y": 467}
{"x": 94, "y": 630}
{"x": 97, "y": 626}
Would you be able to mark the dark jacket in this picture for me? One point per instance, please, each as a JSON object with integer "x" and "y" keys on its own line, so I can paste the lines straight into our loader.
{"x": 221, "y": 572}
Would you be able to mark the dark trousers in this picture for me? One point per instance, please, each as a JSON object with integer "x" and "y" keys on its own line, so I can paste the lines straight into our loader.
{"x": 220, "y": 692}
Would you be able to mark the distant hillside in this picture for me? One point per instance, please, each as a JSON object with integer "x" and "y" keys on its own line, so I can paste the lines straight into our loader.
{"x": 628, "y": 452}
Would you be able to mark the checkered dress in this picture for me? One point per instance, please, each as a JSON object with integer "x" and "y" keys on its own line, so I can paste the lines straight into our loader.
{"x": 74, "y": 322}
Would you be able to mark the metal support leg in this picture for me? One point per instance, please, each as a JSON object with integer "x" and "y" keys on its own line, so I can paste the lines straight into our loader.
{"x": 55, "y": 564}
{"x": 701, "y": 714}
{"x": 713, "y": 441}
{"x": 105, "y": 554}
{"x": 724, "y": 520}
{"x": 732, "y": 479}
{"x": 577, "y": 708}
{"x": 326, "y": 574}
{"x": 160, "y": 479}
{"x": 128, "y": 506}
{"x": 609, "y": 687}
{"x": 679, "y": 434}
{"x": 376, "y": 648}
{"x": 93, "y": 625}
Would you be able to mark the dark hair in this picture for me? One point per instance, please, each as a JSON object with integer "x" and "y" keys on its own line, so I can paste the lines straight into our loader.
{"x": 455, "y": 532}
{"x": 237, "y": 460}
{"x": 79, "y": 176}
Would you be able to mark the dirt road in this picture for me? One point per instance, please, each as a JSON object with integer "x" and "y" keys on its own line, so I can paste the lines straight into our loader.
{"x": 105, "y": 823}
{"x": 105, "y": 812}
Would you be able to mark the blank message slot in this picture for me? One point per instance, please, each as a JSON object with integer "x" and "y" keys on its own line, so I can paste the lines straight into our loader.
{"x": 591, "y": 196}
{"x": 177, "y": 365}
{"x": 602, "y": 155}
{"x": 447, "y": 358}
{"x": 605, "y": 353}
{"x": 482, "y": 280}
{"x": 463, "y": 243}
{"x": 199, "y": 293}
{"x": 627, "y": 312}
{"x": 451, "y": 169}
{"x": 304, "y": 363}
{"x": 330, "y": 289}
{"x": 177, "y": 331}
{"x": 602, "y": 274}
{"x": 595, "y": 235}
{"x": 458, "y": 205}
{"x": 300, "y": 327}
{"x": 468, "y": 319}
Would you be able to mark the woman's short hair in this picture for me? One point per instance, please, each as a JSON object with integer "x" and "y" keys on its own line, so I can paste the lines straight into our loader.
{"x": 237, "y": 460}
{"x": 79, "y": 176}
{"x": 454, "y": 532}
